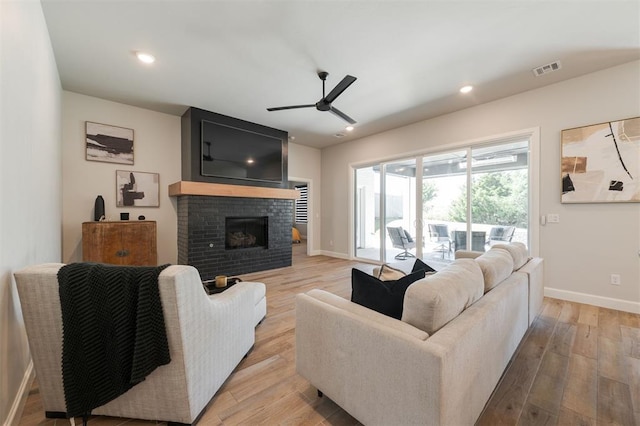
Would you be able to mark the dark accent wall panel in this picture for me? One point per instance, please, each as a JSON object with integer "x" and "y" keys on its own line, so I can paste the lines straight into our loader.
{"x": 201, "y": 234}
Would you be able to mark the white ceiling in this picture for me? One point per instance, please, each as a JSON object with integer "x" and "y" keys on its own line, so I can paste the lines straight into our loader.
{"x": 410, "y": 57}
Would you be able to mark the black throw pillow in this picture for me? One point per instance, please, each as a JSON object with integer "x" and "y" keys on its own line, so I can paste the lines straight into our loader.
{"x": 421, "y": 266}
{"x": 386, "y": 297}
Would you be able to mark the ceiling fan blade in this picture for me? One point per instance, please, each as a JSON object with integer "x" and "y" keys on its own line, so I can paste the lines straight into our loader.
{"x": 342, "y": 115}
{"x": 291, "y": 107}
{"x": 340, "y": 87}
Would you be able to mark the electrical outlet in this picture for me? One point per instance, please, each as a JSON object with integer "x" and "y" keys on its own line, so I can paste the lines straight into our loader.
{"x": 553, "y": 218}
{"x": 615, "y": 279}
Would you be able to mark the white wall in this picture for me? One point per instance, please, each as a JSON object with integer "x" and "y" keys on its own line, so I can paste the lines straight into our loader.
{"x": 156, "y": 149}
{"x": 30, "y": 180}
{"x": 304, "y": 165}
{"x": 591, "y": 241}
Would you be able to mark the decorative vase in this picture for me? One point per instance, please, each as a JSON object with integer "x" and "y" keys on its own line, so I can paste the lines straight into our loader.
{"x": 98, "y": 210}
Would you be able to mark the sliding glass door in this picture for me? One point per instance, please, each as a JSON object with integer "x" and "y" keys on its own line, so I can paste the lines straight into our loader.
{"x": 467, "y": 199}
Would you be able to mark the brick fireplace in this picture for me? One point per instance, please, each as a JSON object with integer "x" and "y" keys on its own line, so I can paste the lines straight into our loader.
{"x": 220, "y": 226}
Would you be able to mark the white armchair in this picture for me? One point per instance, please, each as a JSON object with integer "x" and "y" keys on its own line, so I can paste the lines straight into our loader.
{"x": 208, "y": 336}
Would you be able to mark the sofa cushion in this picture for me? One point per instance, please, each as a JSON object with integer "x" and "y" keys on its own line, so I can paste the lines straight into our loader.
{"x": 432, "y": 302}
{"x": 367, "y": 315}
{"x": 496, "y": 266}
{"x": 389, "y": 273}
{"x": 385, "y": 297}
{"x": 518, "y": 252}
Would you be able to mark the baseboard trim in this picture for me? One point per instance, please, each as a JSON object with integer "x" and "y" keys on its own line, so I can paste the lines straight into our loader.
{"x": 590, "y": 299}
{"x": 21, "y": 397}
{"x": 335, "y": 254}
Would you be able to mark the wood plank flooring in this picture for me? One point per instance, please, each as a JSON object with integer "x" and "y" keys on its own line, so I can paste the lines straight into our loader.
{"x": 577, "y": 365}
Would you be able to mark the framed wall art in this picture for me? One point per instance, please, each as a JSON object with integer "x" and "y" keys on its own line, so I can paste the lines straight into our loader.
{"x": 137, "y": 189}
{"x": 109, "y": 144}
{"x": 601, "y": 162}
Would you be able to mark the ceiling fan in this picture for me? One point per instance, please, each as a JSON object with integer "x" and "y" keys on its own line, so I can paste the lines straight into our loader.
{"x": 324, "y": 104}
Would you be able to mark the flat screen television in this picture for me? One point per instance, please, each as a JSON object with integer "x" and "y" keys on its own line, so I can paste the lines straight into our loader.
{"x": 232, "y": 152}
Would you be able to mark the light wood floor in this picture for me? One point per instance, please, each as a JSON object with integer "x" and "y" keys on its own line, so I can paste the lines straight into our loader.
{"x": 578, "y": 365}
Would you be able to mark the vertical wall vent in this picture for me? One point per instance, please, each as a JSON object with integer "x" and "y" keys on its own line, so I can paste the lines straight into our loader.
{"x": 546, "y": 69}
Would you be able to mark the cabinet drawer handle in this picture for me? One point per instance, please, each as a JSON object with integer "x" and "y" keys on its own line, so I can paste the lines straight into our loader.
{"x": 122, "y": 253}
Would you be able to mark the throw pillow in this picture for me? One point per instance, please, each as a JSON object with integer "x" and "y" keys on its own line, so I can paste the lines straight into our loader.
{"x": 386, "y": 297}
{"x": 421, "y": 266}
{"x": 387, "y": 273}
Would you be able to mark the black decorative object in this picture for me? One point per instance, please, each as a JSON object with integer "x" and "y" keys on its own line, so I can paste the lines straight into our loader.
{"x": 124, "y": 216}
{"x": 98, "y": 209}
{"x": 141, "y": 217}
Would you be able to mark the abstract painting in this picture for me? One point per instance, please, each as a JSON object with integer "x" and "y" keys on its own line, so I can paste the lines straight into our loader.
{"x": 137, "y": 189}
{"x": 601, "y": 163}
{"x": 110, "y": 144}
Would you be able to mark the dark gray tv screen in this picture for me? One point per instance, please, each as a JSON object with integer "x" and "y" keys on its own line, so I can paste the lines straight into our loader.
{"x": 231, "y": 152}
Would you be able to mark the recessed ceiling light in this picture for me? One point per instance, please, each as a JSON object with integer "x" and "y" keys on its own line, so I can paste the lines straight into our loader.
{"x": 348, "y": 128}
{"x": 145, "y": 57}
{"x": 250, "y": 161}
{"x": 466, "y": 89}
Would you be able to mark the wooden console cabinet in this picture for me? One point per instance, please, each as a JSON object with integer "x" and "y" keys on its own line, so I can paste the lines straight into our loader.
{"x": 120, "y": 243}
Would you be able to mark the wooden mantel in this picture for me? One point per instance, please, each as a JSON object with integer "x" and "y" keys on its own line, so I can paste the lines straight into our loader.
{"x": 185, "y": 187}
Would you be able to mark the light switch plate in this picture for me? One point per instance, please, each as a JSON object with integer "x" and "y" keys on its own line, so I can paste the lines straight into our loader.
{"x": 553, "y": 218}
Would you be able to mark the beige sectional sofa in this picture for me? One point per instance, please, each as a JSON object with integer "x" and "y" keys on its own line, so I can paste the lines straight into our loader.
{"x": 439, "y": 364}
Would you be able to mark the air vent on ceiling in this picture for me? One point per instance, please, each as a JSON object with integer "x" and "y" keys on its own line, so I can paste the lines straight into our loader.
{"x": 546, "y": 69}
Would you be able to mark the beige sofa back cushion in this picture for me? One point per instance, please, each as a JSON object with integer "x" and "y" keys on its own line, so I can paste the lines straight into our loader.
{"x": 366, "y": 314}
{"x": 496, "y": 266}
{"x": 518, "y": 252}
{"x": 433, "y": 301}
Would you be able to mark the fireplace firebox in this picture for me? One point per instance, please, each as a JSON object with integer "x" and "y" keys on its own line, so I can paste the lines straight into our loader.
{"x": 246, "y": 232}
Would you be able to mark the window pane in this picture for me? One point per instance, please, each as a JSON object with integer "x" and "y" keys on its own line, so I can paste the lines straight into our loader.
{"x": 500, "y": 194}
{"x": 367, "y": 215}
{"x": 400, "y": 210}
{"x": 301, "y": 204}
{"x": 444, "y": 186}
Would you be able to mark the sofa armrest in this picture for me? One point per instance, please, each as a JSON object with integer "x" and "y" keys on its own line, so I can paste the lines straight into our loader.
{"x": 357, "y": 359}
{"x": 208, "y": 335}
{"x": 534, "y": 269}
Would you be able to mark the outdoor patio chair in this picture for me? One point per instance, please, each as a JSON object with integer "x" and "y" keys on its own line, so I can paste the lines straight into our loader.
{"x": 477, "y": 240}
{"x": 402, "y": 240}
{"x": 440, "y": 234}
{"x": 500, "y": 234}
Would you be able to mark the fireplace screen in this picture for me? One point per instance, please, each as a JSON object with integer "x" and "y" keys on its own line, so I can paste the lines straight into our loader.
{"x": 246, "y": 232}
